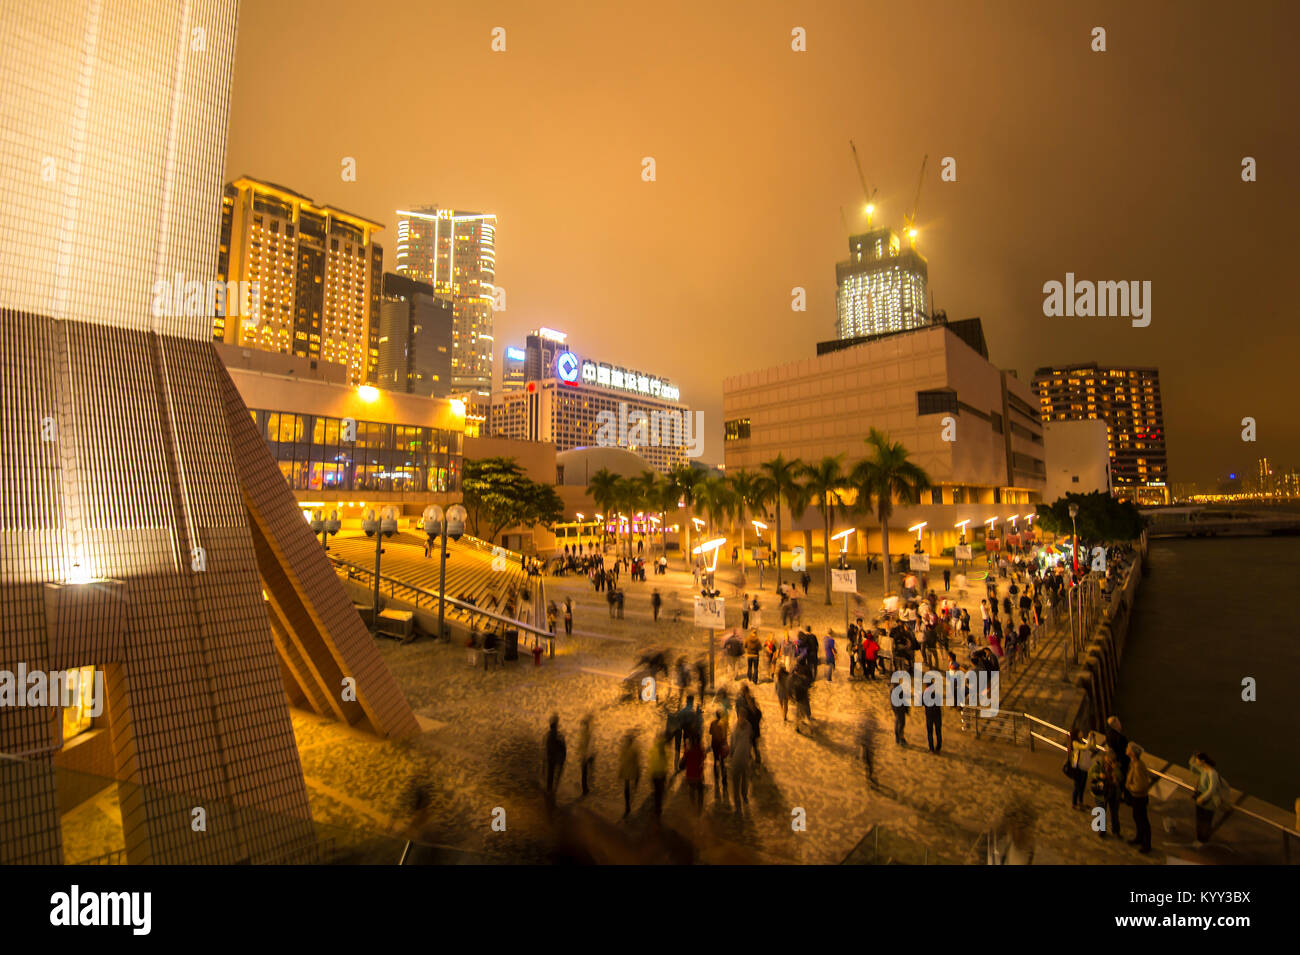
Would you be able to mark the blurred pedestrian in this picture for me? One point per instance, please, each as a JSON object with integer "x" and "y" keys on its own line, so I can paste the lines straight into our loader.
{"x": 629, "y": 768}
{"x": 555, "y": 755}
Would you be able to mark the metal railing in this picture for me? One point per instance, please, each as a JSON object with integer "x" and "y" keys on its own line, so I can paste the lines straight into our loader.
{"x": 1288, "y": 833}
{"x": 419, "y": 595}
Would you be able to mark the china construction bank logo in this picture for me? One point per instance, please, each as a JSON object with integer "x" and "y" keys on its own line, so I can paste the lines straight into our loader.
{"x": 568, "y": 368}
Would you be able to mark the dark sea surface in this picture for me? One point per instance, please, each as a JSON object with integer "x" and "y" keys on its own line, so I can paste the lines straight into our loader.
{"x": 1211, "y": 612}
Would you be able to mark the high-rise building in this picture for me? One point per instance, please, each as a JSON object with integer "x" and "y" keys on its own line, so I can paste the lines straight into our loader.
{"x": 541, "y": 348}
{"x": 318, "y": 271}
{"x": 881, "y": 288}
{"x": 414, "y": 339}
{"x": 574, "y": 402}
{"x": 1128, "y": 400}
{"x": 513, "y": 361}
{"x": 455, "y": 252}
{"x": 149, "y": 549}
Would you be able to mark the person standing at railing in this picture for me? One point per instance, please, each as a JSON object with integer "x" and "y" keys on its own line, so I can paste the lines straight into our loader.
{"x": 1117, "y": 743}
{"x": 1137, "y": 783}
{"x": 1209, "y": 795}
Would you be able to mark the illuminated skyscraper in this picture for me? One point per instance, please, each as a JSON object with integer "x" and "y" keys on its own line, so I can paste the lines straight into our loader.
{"x": 1128, "y": 400}
{"x": 881, "y": 288}
{"x": 319, "y": 274}
{"x": 455, "y": 252}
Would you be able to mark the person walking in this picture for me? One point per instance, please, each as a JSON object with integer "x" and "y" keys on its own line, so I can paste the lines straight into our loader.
{"x": 744, "y": 612}
{"x": 753, "y": 647}
{"x": 1138, "y": 785}
{"x": 867, "y": 746}
{"x": 947, "y": 579}
{"x": 830, "y": 656}
{"x": 568, "y": 616}
{"x": 586, "y": 753}
{"x": 656, "y": 601}
{"x": 629, "y": 768}
{"x": 555, "y": 755}
{"x": 782, "y": 682}
{"x": 659, "y": 771}
{"x": 899, "y": 701}
{"x": 933, "y": 721}
{"x": 742, "y": 745}
{"x": 693, "y": 763}
{"x": 718, "y": 744}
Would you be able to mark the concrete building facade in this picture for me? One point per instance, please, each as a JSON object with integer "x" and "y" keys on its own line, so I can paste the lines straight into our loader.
{"x": 972, "y": 427}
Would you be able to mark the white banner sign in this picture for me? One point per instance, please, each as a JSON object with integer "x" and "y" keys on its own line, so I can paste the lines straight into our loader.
{"x": 920, "y": 561}
{"x": 962, "y": 552}
{"x": 844, "y": 581}
{"x": 709, "y": 612}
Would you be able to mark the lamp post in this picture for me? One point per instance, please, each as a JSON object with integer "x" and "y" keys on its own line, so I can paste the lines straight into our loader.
{"x": 325, "y": 527}
{"x": 711, "y": 547}
{"x": 1074, "y": 547}
{"x": 379, "y": 527}
{"x": 759, "y": 527}
{"x": 843, "y": 538}
{"x": 961, "y": 542}
{"x": 436, "y": 524}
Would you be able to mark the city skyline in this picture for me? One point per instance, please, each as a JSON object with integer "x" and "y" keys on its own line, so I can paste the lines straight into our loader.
{"x": 1108, "y": 174}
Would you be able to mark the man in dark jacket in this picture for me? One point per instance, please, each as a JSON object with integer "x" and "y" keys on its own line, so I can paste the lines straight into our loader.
{"x": 1117, "y": 743}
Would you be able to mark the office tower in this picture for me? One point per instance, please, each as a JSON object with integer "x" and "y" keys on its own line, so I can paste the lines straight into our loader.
{"x": 576, "y": 402}
{"x": 415, "y": 339}
{"x": 881, "y": 288}
{"x": 541, "y": 348}
{"x": 318, "y": 271}
{"x": 512, "y": 368}
{"x": 1128, "y": 400}
{"x": 148, "y": 545}
{"x": 455, "y": 252}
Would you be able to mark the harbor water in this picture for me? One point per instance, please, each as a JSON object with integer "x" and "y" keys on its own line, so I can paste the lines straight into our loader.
{"x": 1210, "y": 613}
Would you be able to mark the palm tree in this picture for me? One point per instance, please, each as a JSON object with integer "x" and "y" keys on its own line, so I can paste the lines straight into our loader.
{"x": 744, "y": 486}
{"x": 779, "y": 483}
{"x": 648, "y": 498}
{"x": 627, "y": 493}
{"x": 886, "y": 474}
{"x": 714, "y": 499}
{"x": 603, "y": 488}
{"x": 683, "y": 479}
{"x": 824, "y": 481}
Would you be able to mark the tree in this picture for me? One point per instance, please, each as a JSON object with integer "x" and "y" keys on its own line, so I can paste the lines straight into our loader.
{"x": 603, "y": 488}
{"x": 1101, "y": 517}
{"x": 744, "y": 488}
{"x": 886, "y": 474}
{"x": 824, "y": 481}
{"x": 497, "y": 494}
{"x": 713, "y": 499}
{"x": 779, "y": 483}
{"x": 683, "y": 479}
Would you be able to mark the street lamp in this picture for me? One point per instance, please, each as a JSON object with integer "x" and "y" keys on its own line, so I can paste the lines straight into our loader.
{"x": 379, "y": 527}
{"x": 325, "y": 527}
{"x": 961, "y": 542}
{"x": 843, "y": 538}
{"x": 452, "y": 525}
{"x": 919, "y": 528}
{"x": 1074, "y": 548}
{"x": 713, "y": 548}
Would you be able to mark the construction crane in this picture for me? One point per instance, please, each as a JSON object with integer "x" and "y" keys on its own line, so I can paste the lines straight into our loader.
{"x": 910, "y": 220}
{"x": 868, "y": 194}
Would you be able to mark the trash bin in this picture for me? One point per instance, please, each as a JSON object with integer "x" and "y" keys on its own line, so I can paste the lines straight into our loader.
{"x": 510, "y": 644}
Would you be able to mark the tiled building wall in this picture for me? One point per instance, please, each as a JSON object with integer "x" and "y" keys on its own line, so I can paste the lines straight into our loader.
{"x": 198, "y": 713}
{"x": 321, "y": 636}
{"x": 115, "y": 115}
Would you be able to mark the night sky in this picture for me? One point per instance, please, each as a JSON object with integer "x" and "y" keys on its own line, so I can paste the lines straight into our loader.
{"x": 1123, "y": 165}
